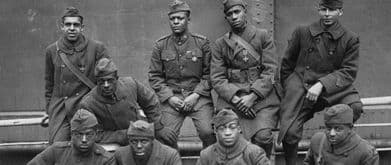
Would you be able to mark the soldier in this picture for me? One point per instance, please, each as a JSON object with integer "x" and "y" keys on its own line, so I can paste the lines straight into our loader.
{"x": 339, "y": 144}
{"x": 116, "y": 101}
{"x": 69, "y": 73}
{"x": 144, "y": 149}
{"x": 317, "y": 71}
{"x": 179, "y": 74}
{"x": 243, "y": 68}
{"x": 82, "y": 150}
{"x": 231, "y": 148}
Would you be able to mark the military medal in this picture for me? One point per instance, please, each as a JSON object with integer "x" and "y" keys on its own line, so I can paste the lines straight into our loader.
{"x": 194, "y": 58}
{"x": 245, "y": 58}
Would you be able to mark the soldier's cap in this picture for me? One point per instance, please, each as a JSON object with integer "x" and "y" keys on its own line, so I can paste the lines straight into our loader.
{"x": 104, "y": 67}
{"x": 82, "y": 120}
{"x": 231, "y": 3}
{"x": 141, "y": 128}
{"x": 339, "y": 114}
{"x": 331, "y": 4}
{"x": 223, "y": 117}
{"x": 177, "y": 6}
{"x": 72, "y": 12}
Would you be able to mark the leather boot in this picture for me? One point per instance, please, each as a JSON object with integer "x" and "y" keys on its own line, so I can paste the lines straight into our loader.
{"x": 290, "y": 153}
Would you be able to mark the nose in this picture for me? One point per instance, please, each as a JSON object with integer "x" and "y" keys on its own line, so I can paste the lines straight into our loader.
{"x": 332, "y": 132}
{"x": 234, "y": 16}
{"x": 227, "y": 132}
{"x": 139, "y": 145}
{"x": 106, "y": 84}
{"x": 84, "y": 138}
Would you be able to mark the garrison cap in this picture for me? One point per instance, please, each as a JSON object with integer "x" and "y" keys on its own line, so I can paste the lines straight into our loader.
{"x": 72, "y": 12}
{"x": 332, "y": 4}
{"x": 83, "y": 119}
{"x": 231, "y": 3}
{"x": 104, "y": 67}
{"x": 223, "y": 117}
{"x": 177, "y": 6}
{"x": 339, "y": 114}
{"x": 141, "y": 128}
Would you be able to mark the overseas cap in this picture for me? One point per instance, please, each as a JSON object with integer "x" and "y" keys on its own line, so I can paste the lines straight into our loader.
{"x": 177, "y": 6}
{"x": 223, "y": 117}
{"x": 104, "y": 67}
{"x": 231, "y": 3}
{"x": 331, "y": 4}
{"x": 72, "y": 12}
{"x": 339, "y": 114}
{"x": 83, "y": 119}
{"x": 141, "y": 128}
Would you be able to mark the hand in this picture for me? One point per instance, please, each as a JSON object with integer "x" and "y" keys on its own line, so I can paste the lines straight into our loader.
{"x": 167, "y": 136}
{"x": 246, "y": 102}
{"x": 176, "y": 103}
{"x": 314, "y": 92}
{"x": 190, "y": 101}
{"x": 45, "y": 121}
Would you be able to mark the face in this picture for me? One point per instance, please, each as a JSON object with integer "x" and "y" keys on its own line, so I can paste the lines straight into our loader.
{"x": 236, "y": 16}
{"x": 179, "y": 22}
{"x": 72, "y": 28}
{"x": 84, "y": 140}
{"x": 140, "y": 145}
{"x": 107, "y": 84}
{"x": 336, "y": 133}
{"x": 228, "y": 134}
{"x": 329, "y": 16}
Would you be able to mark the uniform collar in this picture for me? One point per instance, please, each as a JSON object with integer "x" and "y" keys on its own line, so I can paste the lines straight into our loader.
{"x": 180, "y": 40}
{"x": 345, "y": 146}
{"x": 65, "y": 46}
{"x": 336, "y": 30}
{"x": 233, "y": 151}
{"x": 119, "y": 94}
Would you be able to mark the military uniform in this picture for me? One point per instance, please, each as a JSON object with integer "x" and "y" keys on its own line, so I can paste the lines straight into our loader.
{"x": 180, "y": 67}
{"x": 161, "y": 155}
{"x": 235, "y": 72}
{"x": 314, "y": 55}
{"x": 62, "y": 153}
{"x": 63, "y": 90}
{"x": 114, "y": 115}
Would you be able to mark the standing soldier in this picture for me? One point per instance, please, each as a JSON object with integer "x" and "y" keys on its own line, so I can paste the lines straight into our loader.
{"x": 69, "y": 73}
{"x": 243, "y": 68}
{"x": 339, "y": 144}
{"x": 81, "y": 150}
{"x": 317, "y": 71}
{"x": 116, "y": 101}
{"x": 179, "y": 74}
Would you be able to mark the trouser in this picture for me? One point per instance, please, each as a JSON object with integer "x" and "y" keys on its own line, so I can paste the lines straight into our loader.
{"x": 264, "y": 139}
{"x": 62, "y": 134}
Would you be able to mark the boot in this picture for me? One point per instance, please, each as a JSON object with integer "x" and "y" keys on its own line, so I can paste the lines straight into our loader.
{"x": 290, "y": 153}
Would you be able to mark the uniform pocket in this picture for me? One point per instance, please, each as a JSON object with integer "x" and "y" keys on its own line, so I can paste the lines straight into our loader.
{"x": 168, "y": 55}
{"x": 194, "y": 55}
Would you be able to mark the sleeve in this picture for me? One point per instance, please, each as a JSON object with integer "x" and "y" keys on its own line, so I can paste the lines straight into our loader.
{"x": 111, "y": 161}
{"x": 156, "y": 76}
{"x": 219, "y": 75}
{"x": 258, "y": 157}
{"x": 309, "y": 158}
{"x": 290, "y": 57}
{"x": 346, "y": 74}
{"x": 201, "y": 160}
{"x": 49, "y": 78}
{"x": 264, "y": 84}
{"x": 203, "y": 88}
{"x": 372, "y": 157}
{"x": 46, "y": 157}
{"x": 175, "y": 159}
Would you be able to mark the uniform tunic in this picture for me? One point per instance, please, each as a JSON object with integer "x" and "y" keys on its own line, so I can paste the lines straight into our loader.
{"x": 63, "y": 90}
{"x": 114, "y": 115}
{"x": 235, "y": 72}
{"x": 62, "y": 153}
{"x": 315, "y": 55}
{"x": 353, "y": 151}
{"x": 161, "y": 155}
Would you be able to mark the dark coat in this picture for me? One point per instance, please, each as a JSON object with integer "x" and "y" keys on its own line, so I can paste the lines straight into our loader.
{"x": 62, "y": 153}
{"x": 114, "y": 115}
{"x": 226, "y": 59}
{"x": 63, "y": 90}
{"x": 354, "y": 150}
{"x": 161, "y": 155}
{"x": 306, "y": 62}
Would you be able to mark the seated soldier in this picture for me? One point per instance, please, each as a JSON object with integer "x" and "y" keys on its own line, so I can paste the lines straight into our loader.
{"x": 231, "y": 147}
{"x": 144, "y": 149}
{"x": 81, "y": 150}
{"x": 339, "y": 144}
{"x": 116, "y": 101}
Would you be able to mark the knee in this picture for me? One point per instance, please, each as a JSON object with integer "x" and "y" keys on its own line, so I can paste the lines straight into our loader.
{"x": 292, "y": 136}
{"x": 357, "y": 110}
{"x": 263, "y": 137}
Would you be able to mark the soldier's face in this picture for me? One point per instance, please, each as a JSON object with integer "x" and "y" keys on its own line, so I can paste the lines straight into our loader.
{"x": 84, "y": 140}
{"x": 336, "y": 133}
{"x": 107, "y": 85}
{"x": 179, "y": 22}
{"x": 228, "y": 134}
{"x": 72, "y": 28}
{"x": 140, "y": 146}
{"x": 329, "y": 16}
{"x": 236, "y": 16}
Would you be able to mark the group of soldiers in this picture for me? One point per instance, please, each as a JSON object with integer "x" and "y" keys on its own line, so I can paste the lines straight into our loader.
{"x": 88, "y": 103}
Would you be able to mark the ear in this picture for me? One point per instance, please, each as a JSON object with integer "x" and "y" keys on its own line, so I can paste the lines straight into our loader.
{"x": 340, "y": 12}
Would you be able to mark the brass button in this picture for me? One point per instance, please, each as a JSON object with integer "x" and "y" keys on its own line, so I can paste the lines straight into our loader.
{"x": 77, "y": 94}
{"x": 64, "y": 82}
{"x": 66, "y": 97}
{"x": 307, "y": 67}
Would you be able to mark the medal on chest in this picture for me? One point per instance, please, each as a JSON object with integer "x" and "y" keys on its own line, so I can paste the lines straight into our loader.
{"x": 193, "y": 58}
{"x": 245, "y": 55}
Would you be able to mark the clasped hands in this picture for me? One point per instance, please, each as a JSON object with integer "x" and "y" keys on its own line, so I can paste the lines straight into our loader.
{"x": 245, "y": 103}
{"x": 186, "y": 104}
